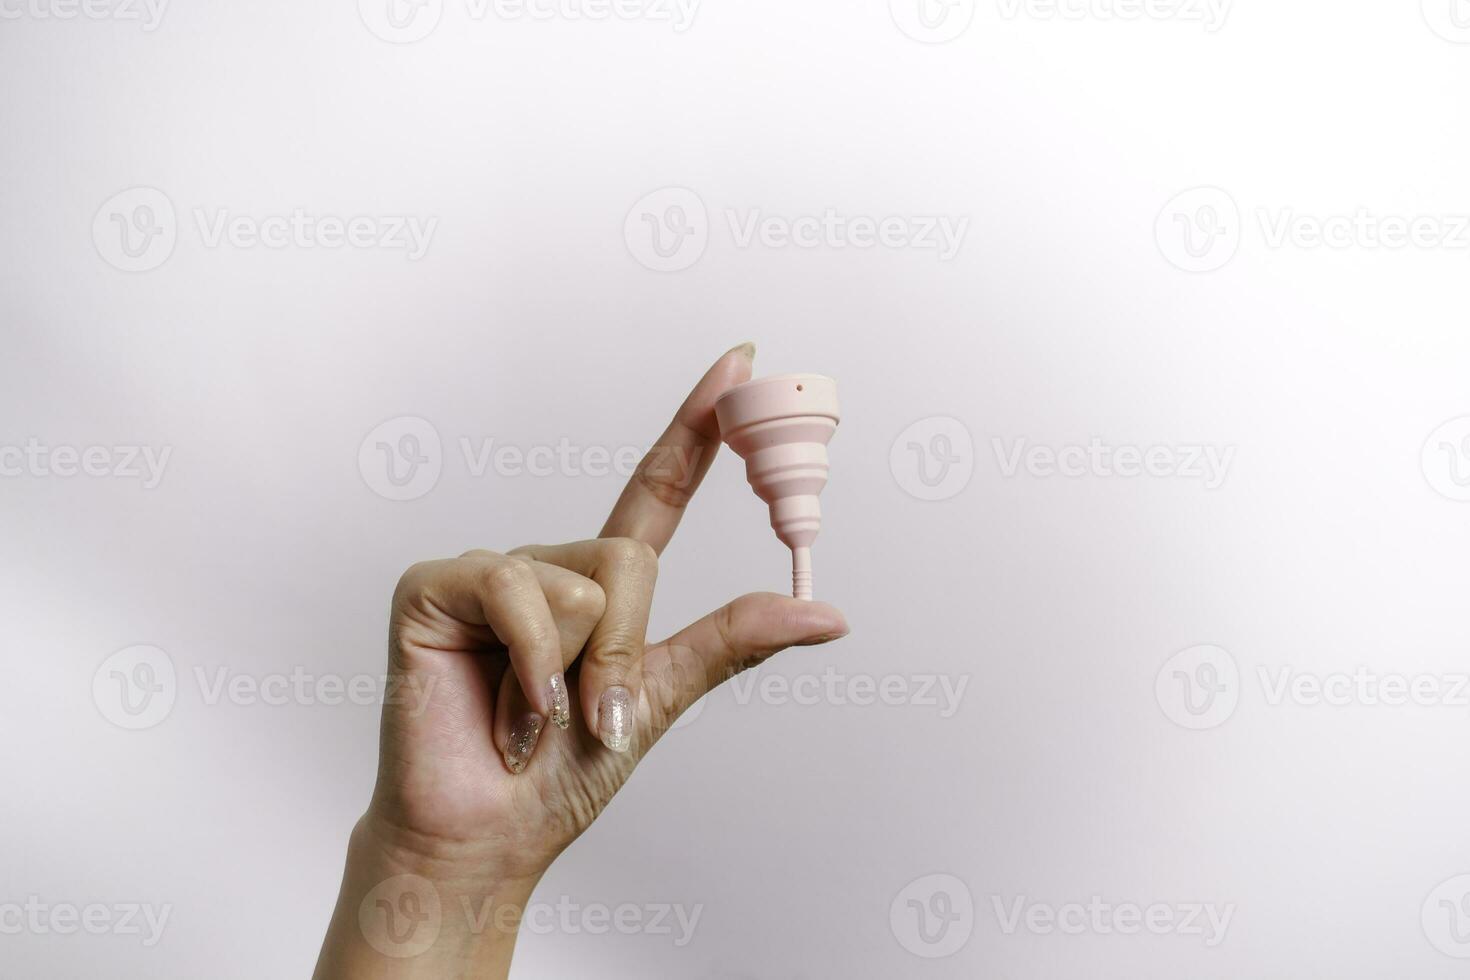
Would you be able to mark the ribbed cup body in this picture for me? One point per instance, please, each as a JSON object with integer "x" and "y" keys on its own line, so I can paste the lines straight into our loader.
{"x": 781, "y": 426}
{"x": 786, "y": 464}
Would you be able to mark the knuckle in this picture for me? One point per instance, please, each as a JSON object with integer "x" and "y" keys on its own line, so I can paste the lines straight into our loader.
{"x": 616, "y": 649}
{"x": 631, "y": 553}
{"x": 582, "y": 598}
{"x": 409, "y": 583}
{"x": 508, "y": 576}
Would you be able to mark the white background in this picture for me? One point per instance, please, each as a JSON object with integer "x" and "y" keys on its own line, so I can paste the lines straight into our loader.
{"x": 1333, "y": 543}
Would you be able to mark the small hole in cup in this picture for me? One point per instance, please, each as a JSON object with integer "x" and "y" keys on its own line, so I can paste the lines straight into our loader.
{"x": 800, "y": 388}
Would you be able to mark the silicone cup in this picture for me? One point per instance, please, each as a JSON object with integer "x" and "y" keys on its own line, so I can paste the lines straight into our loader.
{"x": 781, "y": 426}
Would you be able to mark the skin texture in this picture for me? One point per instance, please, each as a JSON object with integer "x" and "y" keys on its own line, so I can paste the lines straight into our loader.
{"x": 455, "y": 838}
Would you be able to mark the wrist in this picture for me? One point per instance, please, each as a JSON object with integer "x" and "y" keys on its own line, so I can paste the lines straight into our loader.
{"x": 411, "y": 907}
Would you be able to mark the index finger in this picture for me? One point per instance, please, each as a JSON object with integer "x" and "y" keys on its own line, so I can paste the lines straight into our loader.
{"x": 659, "y": 490}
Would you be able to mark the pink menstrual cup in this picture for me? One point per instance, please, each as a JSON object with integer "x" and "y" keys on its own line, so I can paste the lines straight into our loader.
{"x": 781, "y": 426}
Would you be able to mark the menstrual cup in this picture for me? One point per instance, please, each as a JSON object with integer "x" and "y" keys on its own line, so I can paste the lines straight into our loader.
{"x": 780, "y": 426}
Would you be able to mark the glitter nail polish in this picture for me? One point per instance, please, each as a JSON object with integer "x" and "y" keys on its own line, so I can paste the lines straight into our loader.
{"x": 523, "y": 736}
{"x": 561, "y": 705}
{"x": 615, "y": 718}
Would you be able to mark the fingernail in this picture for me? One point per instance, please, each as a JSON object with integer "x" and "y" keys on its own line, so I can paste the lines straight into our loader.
{"x": 747, "y": 348}
{"x": 561, "y": 705}
{"x": 818, "y": 640}
{"x": 615, "y": 718}
{"x": 523, "y": 736}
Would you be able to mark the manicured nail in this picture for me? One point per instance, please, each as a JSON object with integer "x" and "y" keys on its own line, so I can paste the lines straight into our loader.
{"x": 523, "y": 736}
{"x": 747, "y": 348}
{"x": 615, "y": 718}
{"x": 561, "y": 705}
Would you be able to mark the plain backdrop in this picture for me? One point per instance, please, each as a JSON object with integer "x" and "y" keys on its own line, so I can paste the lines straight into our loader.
{"x": 808, "y": 831}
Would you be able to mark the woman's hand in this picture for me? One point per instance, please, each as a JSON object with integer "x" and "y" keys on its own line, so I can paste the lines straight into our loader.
{"x": 528, "y": 693}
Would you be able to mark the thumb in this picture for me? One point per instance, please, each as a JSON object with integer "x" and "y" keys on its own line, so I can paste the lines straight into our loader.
{"x": 733, "y": 638}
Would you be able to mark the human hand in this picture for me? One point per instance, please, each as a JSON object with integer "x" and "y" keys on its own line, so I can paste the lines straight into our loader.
{"x": 480, "y": 786}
